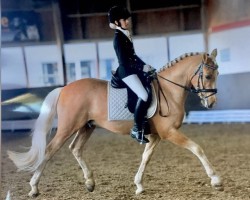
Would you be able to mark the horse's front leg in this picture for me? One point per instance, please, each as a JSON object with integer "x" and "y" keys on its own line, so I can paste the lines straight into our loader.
{"x": 178, "y": 138}
{"x": 147, "y": 154}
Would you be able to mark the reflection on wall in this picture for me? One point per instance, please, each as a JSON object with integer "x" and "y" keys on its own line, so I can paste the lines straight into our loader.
{"x": 20, "y": 26}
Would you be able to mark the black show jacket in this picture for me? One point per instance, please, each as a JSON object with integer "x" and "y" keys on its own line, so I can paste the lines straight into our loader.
{"x": 129, "y": 62}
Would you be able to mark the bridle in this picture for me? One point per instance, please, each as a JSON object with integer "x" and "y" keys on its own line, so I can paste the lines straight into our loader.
{"x": 200, "y": 84}
{"x": 199, "y": 88}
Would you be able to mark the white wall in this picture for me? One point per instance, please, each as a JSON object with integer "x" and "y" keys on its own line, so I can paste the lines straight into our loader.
{"x": 106, "y": 52}
{"x": 36, "y": 56}
{"x": 75, "y": 53}
{"x": 152, "y": 51}
{"x": 233, "y": 50}
{"x": 13, "y": 68}
{"x": 181, "y": 44}
{"x": 233, "y": 55}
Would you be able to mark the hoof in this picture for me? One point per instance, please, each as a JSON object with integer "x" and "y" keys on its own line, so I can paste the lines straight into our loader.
{"x": 219, "y": 188}
{"x": 90, "y": 188}
{"x": 139, "y": 191}
{"x": 90, "y": 185}
{"x": 217, "y": 183}
{"x": 33, "y": 195}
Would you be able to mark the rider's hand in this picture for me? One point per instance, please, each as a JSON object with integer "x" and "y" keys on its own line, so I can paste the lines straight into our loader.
{"x": 148, "y": 68}
{"x": 149, "y": 73}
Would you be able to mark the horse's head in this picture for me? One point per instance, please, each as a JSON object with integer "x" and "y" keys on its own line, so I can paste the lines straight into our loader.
{"x": 204, "y": 80}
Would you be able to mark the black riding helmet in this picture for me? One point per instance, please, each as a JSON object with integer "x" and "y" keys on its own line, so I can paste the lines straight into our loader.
{"x": 118, "y": 12}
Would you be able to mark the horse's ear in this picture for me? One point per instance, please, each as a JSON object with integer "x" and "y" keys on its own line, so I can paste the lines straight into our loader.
{"x": 214, "y": 53}
{"x": 204, "y": 57}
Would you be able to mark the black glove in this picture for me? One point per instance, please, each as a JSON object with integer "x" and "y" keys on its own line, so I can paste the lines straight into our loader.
{"x": 149, "y": 73}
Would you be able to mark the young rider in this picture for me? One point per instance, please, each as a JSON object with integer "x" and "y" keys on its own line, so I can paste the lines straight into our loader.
{"x": 131, "y": 67}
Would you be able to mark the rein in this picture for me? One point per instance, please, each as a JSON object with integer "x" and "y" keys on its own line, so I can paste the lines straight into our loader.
{"x": 192, "y": 90}
{"x": 189, "y": 89}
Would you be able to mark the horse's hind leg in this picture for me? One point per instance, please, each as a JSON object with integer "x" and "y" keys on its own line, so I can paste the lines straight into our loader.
{"x": 77, "y": 149}
{"x": 54, "y": 145}
{"x": 146, "y": 156}
{"x": 36, "y": 178}
{"x": 178, "y": 138}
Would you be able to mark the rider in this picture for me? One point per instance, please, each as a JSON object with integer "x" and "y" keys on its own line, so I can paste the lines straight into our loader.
{"x": 131, "y": 67}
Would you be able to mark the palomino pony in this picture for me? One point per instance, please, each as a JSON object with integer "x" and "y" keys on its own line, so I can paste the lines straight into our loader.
{"x": 83, "y": 104}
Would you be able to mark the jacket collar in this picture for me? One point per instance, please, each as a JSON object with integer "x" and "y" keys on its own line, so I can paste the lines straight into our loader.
{"x": 125, "y": 32}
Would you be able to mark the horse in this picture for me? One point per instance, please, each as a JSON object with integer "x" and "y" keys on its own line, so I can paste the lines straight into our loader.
{"x": 82, "y": 105}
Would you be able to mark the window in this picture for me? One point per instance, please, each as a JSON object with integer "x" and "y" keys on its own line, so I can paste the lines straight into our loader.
{"x": 50, "y": 74}
{"x": 71, "y": 72}
{"x": 106, "y": 68}
{"x": 85, "y": 69}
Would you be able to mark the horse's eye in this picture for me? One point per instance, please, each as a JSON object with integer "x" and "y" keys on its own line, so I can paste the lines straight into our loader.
{"x": 208, "y": 77}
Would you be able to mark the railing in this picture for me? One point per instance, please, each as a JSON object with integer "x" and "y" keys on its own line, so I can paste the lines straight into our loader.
{"x": 218, "y": 116}
{"x": 12, "y": 125}
{"x": 194, "y": 117}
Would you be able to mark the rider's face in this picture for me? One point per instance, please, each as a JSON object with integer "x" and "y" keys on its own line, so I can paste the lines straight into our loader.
{"x": 125, "y": 23}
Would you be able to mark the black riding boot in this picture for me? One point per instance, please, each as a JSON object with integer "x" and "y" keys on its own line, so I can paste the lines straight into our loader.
{"x": 137, "y": 131}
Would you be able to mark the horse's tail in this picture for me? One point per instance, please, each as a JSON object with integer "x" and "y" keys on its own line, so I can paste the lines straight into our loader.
{"x": 29, "y": 161}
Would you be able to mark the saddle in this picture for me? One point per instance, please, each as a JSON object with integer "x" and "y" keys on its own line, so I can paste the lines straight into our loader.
{"x": 117, "y": 83}
{"x": 122, "y": 100}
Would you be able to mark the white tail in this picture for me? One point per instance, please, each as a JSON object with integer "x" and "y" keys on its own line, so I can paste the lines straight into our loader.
{"x": 30, "y": 160}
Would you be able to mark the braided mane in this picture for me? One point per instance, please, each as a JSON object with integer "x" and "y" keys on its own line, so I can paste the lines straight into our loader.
{"x": 176, "y": 60}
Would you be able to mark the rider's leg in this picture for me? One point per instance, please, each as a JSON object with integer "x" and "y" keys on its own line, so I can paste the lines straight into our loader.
{"x": 137, "y": 87}
{"x": 135, "y": 84}
{"x": 137, "y": 131}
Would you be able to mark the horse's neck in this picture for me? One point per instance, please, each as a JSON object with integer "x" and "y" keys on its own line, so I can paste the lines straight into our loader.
{"x": 181, "y": 74}
{"x": 182, "y": 70}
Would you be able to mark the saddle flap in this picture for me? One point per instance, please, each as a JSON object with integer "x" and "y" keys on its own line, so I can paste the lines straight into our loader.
{"x": 117, "y": 104}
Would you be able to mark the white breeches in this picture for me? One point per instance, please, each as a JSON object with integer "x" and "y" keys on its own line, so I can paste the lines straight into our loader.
{"x": 135, "y": 84}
